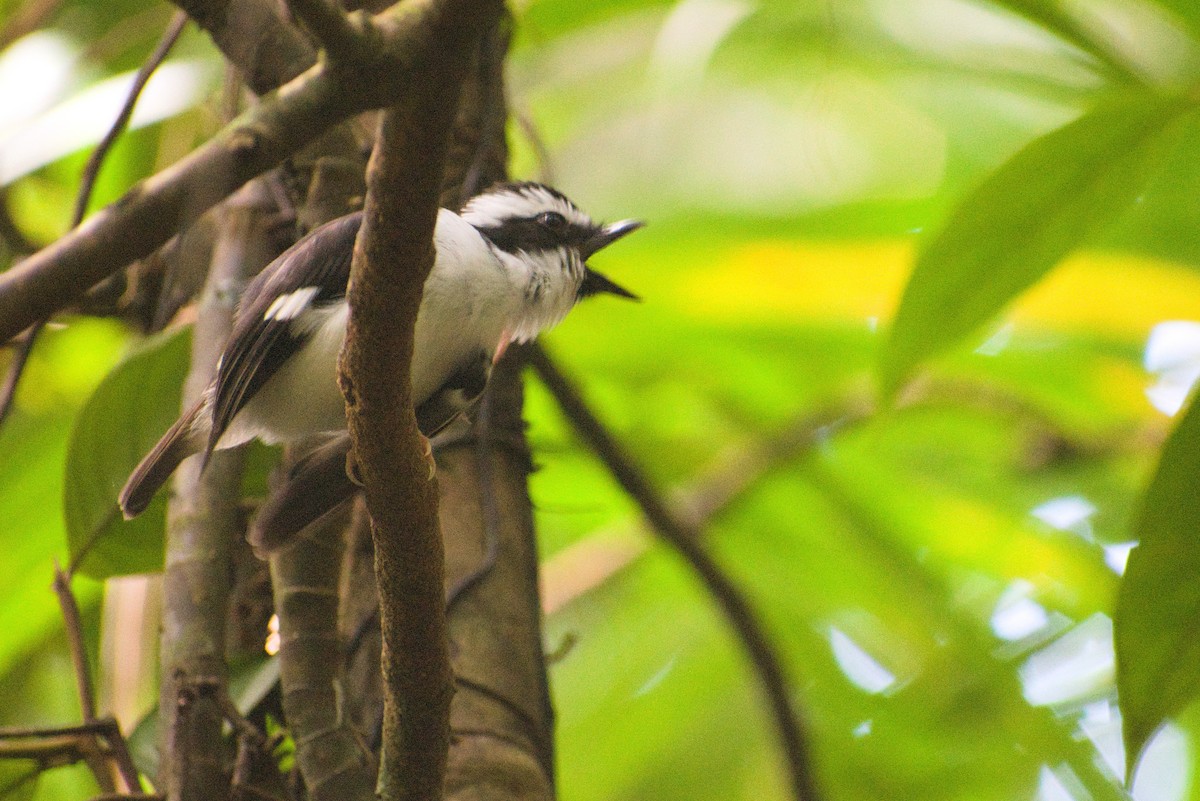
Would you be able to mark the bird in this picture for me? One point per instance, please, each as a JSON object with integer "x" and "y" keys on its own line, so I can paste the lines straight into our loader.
{"x": 512, "y": 262}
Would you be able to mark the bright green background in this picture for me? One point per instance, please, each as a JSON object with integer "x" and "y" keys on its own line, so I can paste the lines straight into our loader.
{"x": 797, "y": 162}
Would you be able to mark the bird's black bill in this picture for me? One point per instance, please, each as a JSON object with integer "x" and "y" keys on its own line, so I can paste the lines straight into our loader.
{"x": 593, "y": 282}
{"x": 607, "y": 235}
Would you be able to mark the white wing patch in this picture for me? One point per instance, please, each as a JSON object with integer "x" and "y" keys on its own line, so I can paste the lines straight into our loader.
{"x": 289, "y": 306}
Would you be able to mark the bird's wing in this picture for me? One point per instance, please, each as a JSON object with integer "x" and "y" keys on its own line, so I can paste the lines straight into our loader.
{"x": 311, "y": 273}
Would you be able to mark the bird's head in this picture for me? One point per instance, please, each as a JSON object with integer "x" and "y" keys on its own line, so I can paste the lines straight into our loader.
{"x": 540, "y": 228}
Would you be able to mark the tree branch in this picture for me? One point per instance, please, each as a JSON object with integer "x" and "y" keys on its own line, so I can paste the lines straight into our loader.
{"x": 203, "y": 522}
{"x": 501, "y": 716}
{"x": 392, "y": 258}
{"x": 256, "y": 38}
{"x": 150, "y": 213}
{"x": 332, "y": 759}
{"x": 685, "y": 540}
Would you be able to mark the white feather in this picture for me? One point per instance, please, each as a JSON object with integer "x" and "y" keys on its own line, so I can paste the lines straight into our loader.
{"x": 286, "y": 307}
{"x": 525, "y": 202}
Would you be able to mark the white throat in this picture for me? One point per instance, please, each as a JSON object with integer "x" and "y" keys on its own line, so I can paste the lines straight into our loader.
{"x": 549, "y": 283}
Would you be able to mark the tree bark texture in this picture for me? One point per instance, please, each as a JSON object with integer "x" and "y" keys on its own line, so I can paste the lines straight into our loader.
{"x": 204, "y": 521}
{"x": 393, "y": 255}
{"x": 501, "y": 719}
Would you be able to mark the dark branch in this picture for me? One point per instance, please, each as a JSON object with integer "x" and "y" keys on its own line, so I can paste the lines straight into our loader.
{"x": 392, "y": 258}
{"x": 686, "y": 541}
{"x": 331, "y": 26}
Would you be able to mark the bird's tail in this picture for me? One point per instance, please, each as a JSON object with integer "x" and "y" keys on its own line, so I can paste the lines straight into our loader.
{"x": 180, "y": 442}
{"x": 316, "y": 485}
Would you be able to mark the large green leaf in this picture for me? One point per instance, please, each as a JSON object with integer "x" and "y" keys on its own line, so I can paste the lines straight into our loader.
{"x": 122, "y": 420}
{"x": 1053, "y": 16}
{"x": 1187, "y": 11}
{"x": 1158, "y": 606}
{"x": 1029, "y": 214}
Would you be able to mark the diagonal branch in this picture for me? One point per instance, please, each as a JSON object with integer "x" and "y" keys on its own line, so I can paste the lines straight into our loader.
{"x": 686, "y": 541}
{"x": 150, "y": 213}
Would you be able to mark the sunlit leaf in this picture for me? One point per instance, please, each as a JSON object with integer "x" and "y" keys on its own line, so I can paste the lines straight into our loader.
{"x": 1054, "y": 16}
{"x": 1029, "y": 214}
{"x": 122, "y": 420}
{"x": 1158, "y": 606}
{"x": 84, "y": 118}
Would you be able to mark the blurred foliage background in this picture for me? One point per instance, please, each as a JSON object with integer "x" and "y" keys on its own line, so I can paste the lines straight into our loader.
{"x": 940, "y": 568}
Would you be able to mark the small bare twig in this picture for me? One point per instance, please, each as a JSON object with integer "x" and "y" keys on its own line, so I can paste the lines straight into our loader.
{"x": 70, "y": 613}
{"x": 685, "y": 540}
{"x": 22, "y": 347}
{"x": 101, "y": 751}
{"x": 98, "y": 743}
{"x": 91, "y": 170}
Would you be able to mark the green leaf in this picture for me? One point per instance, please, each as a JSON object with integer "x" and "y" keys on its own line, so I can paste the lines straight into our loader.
{"x": 1186, "y": 11}
{"x": 1053, "y": 16}
{"x": 1158, "y": 606}
{"x": 118, "y": 425}
{"x": 1029, "y": 214}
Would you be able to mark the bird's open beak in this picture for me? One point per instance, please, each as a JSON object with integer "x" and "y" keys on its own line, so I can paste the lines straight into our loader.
{"x": 594, "y": 282}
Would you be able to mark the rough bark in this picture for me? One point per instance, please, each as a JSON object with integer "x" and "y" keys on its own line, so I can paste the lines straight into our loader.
{"x": 203, "y": 523}
{"x": 501, "y": 719}
{"x": 392, "y": 257}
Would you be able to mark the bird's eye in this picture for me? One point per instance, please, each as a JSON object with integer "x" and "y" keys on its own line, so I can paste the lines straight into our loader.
{"x": 552, "y": 220}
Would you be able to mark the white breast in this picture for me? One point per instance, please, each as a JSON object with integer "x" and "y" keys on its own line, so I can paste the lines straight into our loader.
{"x": 470, "y": 302}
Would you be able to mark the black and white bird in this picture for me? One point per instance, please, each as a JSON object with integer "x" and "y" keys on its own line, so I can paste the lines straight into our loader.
{"x": 511, "y": 263}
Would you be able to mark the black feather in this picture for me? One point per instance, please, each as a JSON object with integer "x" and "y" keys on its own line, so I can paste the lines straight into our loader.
{"x": 258, "y": 347}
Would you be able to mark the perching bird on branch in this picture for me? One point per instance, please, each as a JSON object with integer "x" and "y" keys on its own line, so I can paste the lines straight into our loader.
{"x": 512, "y": 263}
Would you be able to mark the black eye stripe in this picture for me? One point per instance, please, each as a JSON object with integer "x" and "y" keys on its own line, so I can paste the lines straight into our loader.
{"x": 531, "y": 234}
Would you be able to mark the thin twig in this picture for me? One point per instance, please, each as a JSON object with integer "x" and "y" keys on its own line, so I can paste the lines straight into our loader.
{"x": 70, "y": 613}
{"x": 89, "y": 742}
{"x": 22, "y": 347}
{"x": 104, "y": 726}
{"x": 685, "y": 540}
{"x": 91, "y": 170}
